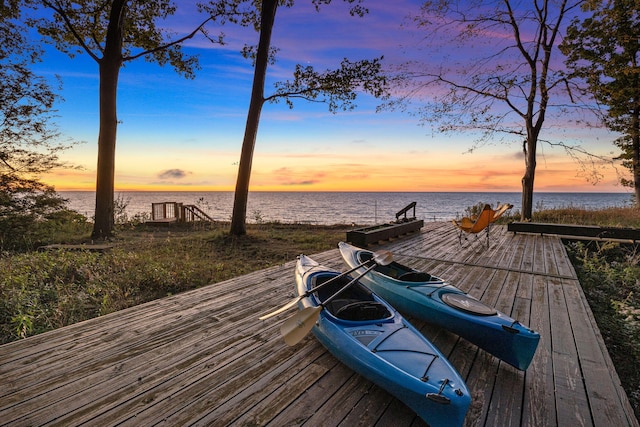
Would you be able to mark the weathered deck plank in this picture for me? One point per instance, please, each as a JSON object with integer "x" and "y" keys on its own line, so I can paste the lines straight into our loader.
{"x": 203, "y": 358}
{"x": 539, "y": 396}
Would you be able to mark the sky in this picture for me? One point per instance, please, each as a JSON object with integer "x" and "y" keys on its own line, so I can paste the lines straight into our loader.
{"x": 178, "y": 134}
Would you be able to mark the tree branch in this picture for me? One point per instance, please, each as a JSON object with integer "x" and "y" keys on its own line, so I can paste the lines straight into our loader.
{"x": 173, "y": 43}
{"x": 63, "y": 14}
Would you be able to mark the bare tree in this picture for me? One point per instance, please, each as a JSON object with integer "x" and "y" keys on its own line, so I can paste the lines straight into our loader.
{"x": 503, "y": 86}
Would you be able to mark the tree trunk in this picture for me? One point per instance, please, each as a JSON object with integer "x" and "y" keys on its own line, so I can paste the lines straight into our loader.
{"x": 109, "y": 71}
{"x": 529, "y": 149}
{"x": 635, "y": 153}
{"x": 239, "y": 216}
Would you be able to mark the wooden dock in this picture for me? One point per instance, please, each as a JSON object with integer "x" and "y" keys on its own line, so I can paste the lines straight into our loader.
{"x": 203, "y": 358}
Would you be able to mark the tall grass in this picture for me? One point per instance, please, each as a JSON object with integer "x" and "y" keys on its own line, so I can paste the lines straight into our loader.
{"x": 44, "y": 290}
{"x": 608, "y": 217}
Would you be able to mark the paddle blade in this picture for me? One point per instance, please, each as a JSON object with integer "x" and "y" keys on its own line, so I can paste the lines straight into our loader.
{"x": 297, "y": 327}
{"x": 383, "y": 257}
{"x": 281, "y": 309}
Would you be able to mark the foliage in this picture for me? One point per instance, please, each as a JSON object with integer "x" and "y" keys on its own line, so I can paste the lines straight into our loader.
{"x": 32, "y": 213}
{"x": 82, "y": 26}
{"x": 629, "y": 158}
{"x": 602, "y": 51}
{"x": 29, "y": 139}
{"x": 334, "y": 87}
{"x": 606, "y": 217}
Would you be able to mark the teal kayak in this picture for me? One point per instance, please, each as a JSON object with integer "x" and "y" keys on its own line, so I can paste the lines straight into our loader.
{"x": 365, "y": 333}
{"x": 433, "y": 300}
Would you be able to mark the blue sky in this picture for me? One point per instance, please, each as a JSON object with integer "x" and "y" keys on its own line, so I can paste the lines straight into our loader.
{"x": 186, "y": 134}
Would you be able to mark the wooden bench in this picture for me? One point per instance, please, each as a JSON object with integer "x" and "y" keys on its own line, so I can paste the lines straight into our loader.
{"x": 577, "y": 231}
{"x": 375, "y": 233}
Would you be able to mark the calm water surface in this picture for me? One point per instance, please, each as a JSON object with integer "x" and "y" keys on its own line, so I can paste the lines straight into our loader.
{"x": 341, "y": 208}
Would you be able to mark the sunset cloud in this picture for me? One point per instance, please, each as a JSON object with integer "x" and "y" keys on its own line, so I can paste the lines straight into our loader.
{"x": 173, "y": 174}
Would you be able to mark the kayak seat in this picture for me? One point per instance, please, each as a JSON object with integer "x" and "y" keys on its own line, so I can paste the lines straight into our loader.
{"x": 363, "y": 310}
{"x": 355, "y": 292}
{"x": 393, "y": 270}
{"x": 335, "y": 305}
{"x": 354, "y": 303}
{"x": 396, "y": 270}
{"x": 415, "y": 276}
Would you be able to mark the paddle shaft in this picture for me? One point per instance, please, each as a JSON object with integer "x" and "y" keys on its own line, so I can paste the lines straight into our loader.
{"x": 312, "y": 290}
{"x": 344, "y": 288}
{"x": 296, "y": 327}
{"x": 376, "y": 260}
{"x": 333, "y": 279}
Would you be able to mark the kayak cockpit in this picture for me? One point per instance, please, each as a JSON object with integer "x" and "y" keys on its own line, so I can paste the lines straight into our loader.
{"x": 356, "y": 303}
{"x": 398, "y": 271}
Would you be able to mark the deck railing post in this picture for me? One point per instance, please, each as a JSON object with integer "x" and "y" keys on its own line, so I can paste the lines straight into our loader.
{"x": 179, "y": 210}
{"x": 405, "y": 210}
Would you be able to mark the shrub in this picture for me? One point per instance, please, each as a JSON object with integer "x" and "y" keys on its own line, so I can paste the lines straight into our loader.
{"x": 32, "y": 214}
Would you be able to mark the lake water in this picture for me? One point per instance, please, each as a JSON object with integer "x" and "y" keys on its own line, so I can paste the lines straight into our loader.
{"x": 342, "y": 207}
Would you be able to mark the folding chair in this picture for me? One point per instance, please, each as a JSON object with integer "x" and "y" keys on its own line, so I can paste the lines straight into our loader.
{"x": 481, "y": 223}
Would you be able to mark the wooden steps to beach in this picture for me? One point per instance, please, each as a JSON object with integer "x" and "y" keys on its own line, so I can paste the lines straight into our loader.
{"x": 164, "y": 213}
{"x": 203, "y": 357}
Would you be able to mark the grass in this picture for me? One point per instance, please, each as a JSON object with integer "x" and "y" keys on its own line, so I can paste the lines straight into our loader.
{"x": 608, "y": 217}
{"x": 44, "y": 290}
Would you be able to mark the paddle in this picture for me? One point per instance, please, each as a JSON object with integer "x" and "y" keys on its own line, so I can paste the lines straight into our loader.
{"x": 378, "y": 258}
{"x": 298, "y": 326}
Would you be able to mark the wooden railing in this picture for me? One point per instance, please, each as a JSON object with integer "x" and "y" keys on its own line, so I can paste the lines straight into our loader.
{"x": 194, "y": 213}
{"x": 404, "y": 211}
{"x": 165, "y": 211}
{"x": 177, "y": 212}
{"x": 373, "y": 234}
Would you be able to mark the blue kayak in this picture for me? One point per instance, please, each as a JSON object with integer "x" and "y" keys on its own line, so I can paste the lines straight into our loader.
{"x": 370, "y": 337}
{"x": 433, "y": 300}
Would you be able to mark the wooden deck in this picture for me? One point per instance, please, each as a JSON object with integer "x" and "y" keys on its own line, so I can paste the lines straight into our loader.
{"x": 203, "y": 358}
